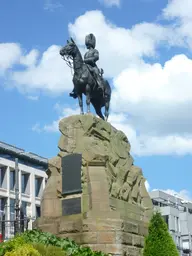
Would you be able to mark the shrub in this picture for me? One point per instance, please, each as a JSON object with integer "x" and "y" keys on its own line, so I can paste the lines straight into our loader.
{"x": 49, "y": 250}
{"x": 24, "y": 250}
{"x": 11, "y": 244}
{"x": 159, "y": 242}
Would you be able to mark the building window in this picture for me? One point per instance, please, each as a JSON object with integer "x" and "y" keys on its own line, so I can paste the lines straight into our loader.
{"x": 24, "y": 208}
{"x": 3, "y": 180}
{"x": 3, "y": 203}
{"x": 166, "y": 219}
{"x": 25, "y": 184}
{"x": 12, "y": 209}
{"x": 185, "y": 244}
{"x": 12, "y": 179}
{"x": 38, "y": 211}
{"x": 178, "y": 226}
{"x": 38, "y": 186}
{"x": 155, "y": 202}
{"x": 175, "y": 223}
{"x": 179, "y": 242}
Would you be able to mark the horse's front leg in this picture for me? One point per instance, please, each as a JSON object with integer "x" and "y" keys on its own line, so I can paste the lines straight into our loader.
{"x": 106, "y": 108}
{"x": 80, "y": 103}
{"x": 88, "y": 91}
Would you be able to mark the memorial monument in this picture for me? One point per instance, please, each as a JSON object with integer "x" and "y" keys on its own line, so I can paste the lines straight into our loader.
{"x": 95, "y": 194}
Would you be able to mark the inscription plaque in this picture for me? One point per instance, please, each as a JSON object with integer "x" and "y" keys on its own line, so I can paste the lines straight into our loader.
{"x": 71, "y": 174}
{"x": 71, "y": 206}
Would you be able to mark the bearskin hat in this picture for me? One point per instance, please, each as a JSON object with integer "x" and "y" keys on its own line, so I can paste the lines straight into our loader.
{"x": 91, "y": 40}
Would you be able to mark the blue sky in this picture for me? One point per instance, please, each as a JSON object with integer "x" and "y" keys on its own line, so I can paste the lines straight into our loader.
{"x": 150, "y": 42}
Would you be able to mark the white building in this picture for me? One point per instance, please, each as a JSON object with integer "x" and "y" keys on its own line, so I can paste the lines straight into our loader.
{"x": 31, "y": 177}
{"x": 178, "y": 216}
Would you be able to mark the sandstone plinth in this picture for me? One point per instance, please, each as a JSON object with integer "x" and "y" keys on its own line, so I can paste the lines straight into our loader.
{"x": 115, "y": 204}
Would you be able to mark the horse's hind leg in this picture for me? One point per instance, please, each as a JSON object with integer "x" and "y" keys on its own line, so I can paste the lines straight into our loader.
{"x": 97, "y": 109}
{"x": 99, "y": 113}
{"x": 80, "y": 103}
{"x": 88, "y": 99}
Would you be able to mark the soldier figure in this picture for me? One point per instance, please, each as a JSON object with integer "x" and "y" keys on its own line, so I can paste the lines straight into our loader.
{"x": 90, "y": 59}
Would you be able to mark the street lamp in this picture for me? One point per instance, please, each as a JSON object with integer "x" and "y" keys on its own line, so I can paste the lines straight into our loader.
{"x": 17, "y": 206}
{"x": 19, "y": 215}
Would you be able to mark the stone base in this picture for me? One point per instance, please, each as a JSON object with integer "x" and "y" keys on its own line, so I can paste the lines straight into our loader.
{"x": 115, "y": 207}
{"x": 114, "y": 236}
{"x": 105, "y": 224}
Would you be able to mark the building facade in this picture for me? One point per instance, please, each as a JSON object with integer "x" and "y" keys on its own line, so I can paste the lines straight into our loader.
{"x": 177, "y": 213}
{"x": 31, "y": 182}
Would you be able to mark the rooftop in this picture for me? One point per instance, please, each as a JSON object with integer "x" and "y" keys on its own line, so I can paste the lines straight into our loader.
{"x": 163, "y": 196}
{"x": 21, "y": 154}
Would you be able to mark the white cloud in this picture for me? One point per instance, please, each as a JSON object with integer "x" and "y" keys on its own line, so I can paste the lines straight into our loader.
{"x": 54, "y": 126}
{"x": 181, "y": 12}
{"x": 52, "y": 5}
{"x": 147, "y": 185}
{"x": 141, "y": 144}
{"x": 123, "y": 47}
{"x": 178, "y": 9}
{"x": 10, "y": 54}
{"x": 47, "y": 72}
{"x": 50, "y": 74}
{"x": 30, "y": 59}
{"x": 31, "y": 97}
{"x": 144, "y": 144}
{"x": 158, "y": 100}
{"x": 110, "y": 3}
{"x": 36, "y": 128}
{"x": 156, "y": 83}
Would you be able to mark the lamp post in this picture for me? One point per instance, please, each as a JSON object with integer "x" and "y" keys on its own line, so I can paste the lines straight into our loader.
{"x": 17, "y": 206}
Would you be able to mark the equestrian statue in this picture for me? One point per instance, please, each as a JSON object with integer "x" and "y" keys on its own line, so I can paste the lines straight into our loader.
{"x": 88, "y": 78}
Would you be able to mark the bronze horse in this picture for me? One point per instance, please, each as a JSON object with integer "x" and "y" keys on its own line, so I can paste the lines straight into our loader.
{"x": 84, "y": 82}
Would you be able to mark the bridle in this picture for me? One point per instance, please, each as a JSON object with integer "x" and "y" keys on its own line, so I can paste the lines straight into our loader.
{"x": 69, "y": 61}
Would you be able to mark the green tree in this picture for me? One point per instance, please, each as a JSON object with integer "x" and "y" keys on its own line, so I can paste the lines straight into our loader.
{"x": 159, "y": 242}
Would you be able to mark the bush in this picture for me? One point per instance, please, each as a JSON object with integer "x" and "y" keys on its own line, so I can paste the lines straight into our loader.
{"x": 159, "y": 242}
{"x": 11, "y": 244}
{"x": 49, "y": 250}
{"x": 24, "y": 250}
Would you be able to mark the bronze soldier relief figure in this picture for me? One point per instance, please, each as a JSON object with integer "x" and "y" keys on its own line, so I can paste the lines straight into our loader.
{"x": 87, "y": 78}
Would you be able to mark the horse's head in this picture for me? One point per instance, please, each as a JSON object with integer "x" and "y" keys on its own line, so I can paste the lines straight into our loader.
{"x": 68, "y": 49}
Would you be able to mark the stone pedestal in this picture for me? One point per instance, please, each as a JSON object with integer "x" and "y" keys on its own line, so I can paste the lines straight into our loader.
{"x": 115, "y": 206}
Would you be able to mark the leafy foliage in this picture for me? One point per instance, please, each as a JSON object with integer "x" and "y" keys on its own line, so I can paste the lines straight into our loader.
{"x": 45, "y": 238}
{"x": 45, "y": 243}
{"x": 67, "y": 245}
{"x": 24, "y": 250}
{"x": 11, "y": 245}
{"x": 159, "y": 242}
{"x": 49, "y": 250}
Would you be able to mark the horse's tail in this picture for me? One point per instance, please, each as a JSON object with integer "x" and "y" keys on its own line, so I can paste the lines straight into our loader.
{"x": 107, "y": 90}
